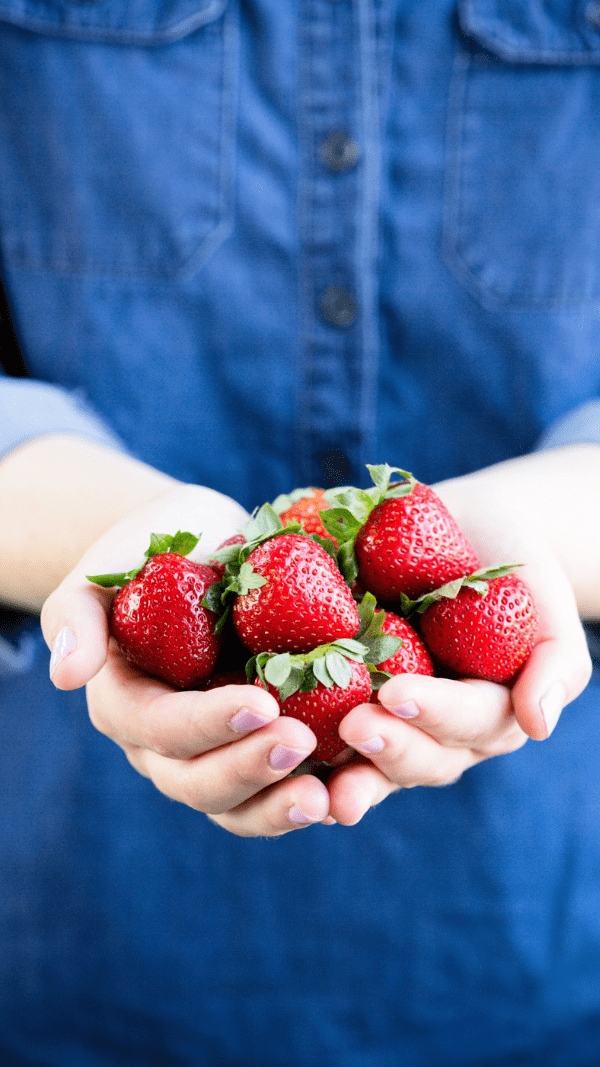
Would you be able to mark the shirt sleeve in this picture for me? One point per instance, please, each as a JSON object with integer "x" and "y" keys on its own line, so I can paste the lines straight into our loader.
{"x": 579, "y": 426}
{"x": 31, "y": 409}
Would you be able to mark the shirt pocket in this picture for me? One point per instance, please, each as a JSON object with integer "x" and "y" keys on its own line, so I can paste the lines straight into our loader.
{"x": 522, "y": 205}
{"x": 117, "y": 134}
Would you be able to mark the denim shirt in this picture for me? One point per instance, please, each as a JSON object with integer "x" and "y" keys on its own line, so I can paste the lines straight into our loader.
{"x": 259, "y": 245}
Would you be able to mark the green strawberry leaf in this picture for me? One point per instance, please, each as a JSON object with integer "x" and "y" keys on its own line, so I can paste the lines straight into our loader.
{"x": 325, "y": 543}
{"x": 278, "y": 669}
{"x": 349, "y": 499}
{"x": 380, "y": 646}
{"x": 383, "y": 648}
{"x": 347, "y": 563}
{"x": 321, "y": 673}
{"x": 349, "y": 647}
{"x": 263, "y": 524}
{"x": 341, "y": 523}
{"x": 241, "y": 582}
{"x": 213, "y": 598}
{"x": 309, "y": 681}
{"x": 487, "y": 574}
{"x": 110, "y": 581}
{"x": 293, "y": 683}
{"x": 378, "y": 678}
{"x": 227, "y": 554}
{"x": 381, "y": 475}
{"x": 182, "y": 542}
{"x": 478, "y": 581}
{"x": 339, "y": 669}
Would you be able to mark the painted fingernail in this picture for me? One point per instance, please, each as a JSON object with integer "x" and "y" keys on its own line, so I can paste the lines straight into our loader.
{"x": 296, "y": 815}
{"x": 64, "y": 643}
{"x": 405, "y": 711}
{"x": 283, "y": 759}
{"x": 374, "y": 744}
{"x": 551, "y": 705}
{"x": 244, "y": 720}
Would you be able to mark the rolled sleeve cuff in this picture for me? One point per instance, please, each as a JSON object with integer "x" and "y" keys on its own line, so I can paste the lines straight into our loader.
{"x": 30, "y": 409}
{"x": 579, "y": 426}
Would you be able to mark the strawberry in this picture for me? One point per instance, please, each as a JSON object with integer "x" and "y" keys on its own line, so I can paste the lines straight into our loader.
{"x": 405, "y": 540}
{"x": 319, "y": 688}
{"x": 304, "y": 506}
{"x": 157, "y": 617}
{"x": 412, "y": 657}
{"x": 481, "y": 626}
{"x": 302, "y": 600}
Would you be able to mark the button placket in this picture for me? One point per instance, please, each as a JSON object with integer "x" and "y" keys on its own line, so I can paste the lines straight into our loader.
{"x": 331, "y": 396}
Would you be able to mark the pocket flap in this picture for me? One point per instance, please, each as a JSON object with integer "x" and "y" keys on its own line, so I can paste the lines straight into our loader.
{"x": 535, "y": 31}
{"x": 136, "y": 22}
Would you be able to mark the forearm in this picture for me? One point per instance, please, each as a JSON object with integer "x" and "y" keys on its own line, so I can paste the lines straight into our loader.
{"x": 58, "y": 494}
{"x": 557, "y": 492}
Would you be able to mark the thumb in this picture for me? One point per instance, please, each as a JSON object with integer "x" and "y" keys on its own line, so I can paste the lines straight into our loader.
{"x": 559, "y": 667}
{"x": 74, "y": 623}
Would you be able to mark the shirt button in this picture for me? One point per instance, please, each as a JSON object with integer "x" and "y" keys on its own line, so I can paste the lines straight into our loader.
{"x": 339, "y": 152}
{"x": 338, "y": 307}
{"x": 336, "y": 468}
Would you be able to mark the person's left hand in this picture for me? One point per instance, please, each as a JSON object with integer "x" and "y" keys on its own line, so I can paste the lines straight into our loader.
{"x": 428, "y": 731}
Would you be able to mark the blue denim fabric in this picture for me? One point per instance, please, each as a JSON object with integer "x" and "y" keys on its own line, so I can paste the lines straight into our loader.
{"x": 243, "y": 309}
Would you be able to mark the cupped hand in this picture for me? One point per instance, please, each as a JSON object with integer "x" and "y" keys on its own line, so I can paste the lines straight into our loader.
{"x": 428, "y": 731}
{"x": 226, "y": 752}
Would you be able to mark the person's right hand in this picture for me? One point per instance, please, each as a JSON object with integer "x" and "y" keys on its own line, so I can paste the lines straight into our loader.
{"x": 226, "y": 752}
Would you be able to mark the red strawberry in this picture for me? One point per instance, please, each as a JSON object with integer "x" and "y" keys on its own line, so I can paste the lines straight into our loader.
{"x": 320, "y": 690}
{"x": 302, "y": 600}
{"x": 410, "y": 544}
{"x": 157, "y": 617}
{"x": 306, "y": 510}
{"x": 485, "y": 630}
{"x": 412, "y": 657}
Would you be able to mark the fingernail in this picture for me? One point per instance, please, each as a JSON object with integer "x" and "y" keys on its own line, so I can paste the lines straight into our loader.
{"x": 244, "y": 720}
{"x": 296, "y": 815}
{"x": 404, "y": 711}
{"x": 368, "y": 748}
{"x": 551, "y": 705}
{"x": 64, "y": 643}
{"x": 283, "y": 759}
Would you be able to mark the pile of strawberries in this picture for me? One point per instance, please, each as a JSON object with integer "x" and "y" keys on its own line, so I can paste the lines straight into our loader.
{"x": 323, "y": 597}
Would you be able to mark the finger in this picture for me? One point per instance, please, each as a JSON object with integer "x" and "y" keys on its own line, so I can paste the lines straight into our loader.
{"x": 560, "y": 666}
{"x": 289, "y": 805}
{"x": 74, "y": 623}
{"x": 470, "y": 713}
{"x": 133, "y": 709}
{"x": 223, "y": 778}
{"x": 354, "y": 789}
{"x": 557, "y": 671}
{"x": 405, "y": 754}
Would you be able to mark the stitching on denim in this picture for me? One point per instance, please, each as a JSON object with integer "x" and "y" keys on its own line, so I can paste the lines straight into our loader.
{"x": 87, "y": 31}
{"x": 509, "y": 49}
{"x": 229, "y": 116}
